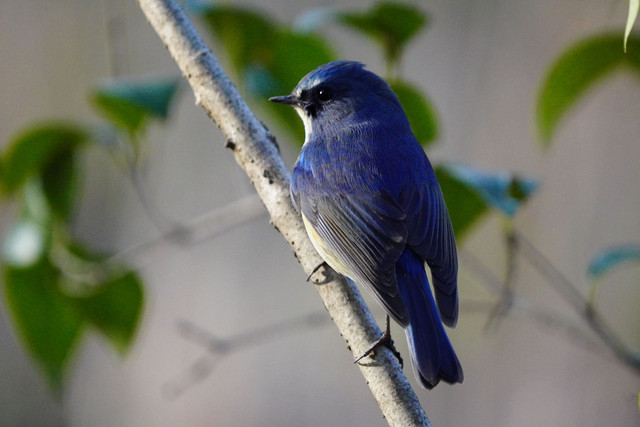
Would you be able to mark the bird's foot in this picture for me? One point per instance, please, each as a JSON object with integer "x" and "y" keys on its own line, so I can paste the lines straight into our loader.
{"x": 326, "y": 273}
{"x": 386, "y": 341}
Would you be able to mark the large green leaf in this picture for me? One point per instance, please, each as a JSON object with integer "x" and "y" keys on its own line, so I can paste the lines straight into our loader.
{"x": 46, "y": 321}
{"x": 391, "y": 24}
{"x": 130, "y": 105}
{"x": 36, "y": 149}
{"x": 247, "y": 35}
{"x": 465, "y": 206}
{"x": 611, "y": 257}
{"x": 504, "y": 191}
{"x": 575, "y": 72}
{"x": 115, "y": 308}
{"x": 420, "y": 111}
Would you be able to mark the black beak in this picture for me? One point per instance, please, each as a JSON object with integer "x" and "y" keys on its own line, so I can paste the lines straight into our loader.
{"x": 287, "y": 99}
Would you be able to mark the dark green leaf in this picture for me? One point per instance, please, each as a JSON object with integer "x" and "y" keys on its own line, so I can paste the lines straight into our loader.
{"x": 44, "y": 318}
{"x": 114, "y": 308}
{"x": 389, "y": 23}
{"x": 31, "y": 152}
{"x": 465, "y": 206}
{"x": 575, "y": 72}
{"x": 59, "y": 181}
{"x": 504, "y": 191}
{"x": 421, "y": 113}
{"x": 246, "y": 35}
{"x": 612, "y": 257}
{"x": 129, "y": 105}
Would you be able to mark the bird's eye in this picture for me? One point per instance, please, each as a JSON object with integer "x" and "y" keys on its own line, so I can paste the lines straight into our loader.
{"x": 324, "y": 94}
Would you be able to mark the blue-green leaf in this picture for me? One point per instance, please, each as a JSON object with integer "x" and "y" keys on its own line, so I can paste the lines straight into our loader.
{"x": 504, "y": 191}
{"x": 421, "y": 113}
{"x": 130, "y": 105}
{"x": 47, "y": 323}
{"x": 33, "y": 151}
{"x": 391, "y": 24}
{"x": 611, "y": 257}
{"x": 575, "y": 72}
{"x": 465, "y": 206}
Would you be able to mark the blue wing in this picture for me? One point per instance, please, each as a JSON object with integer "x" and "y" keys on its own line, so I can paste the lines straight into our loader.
{"x": 367, "y": 236}
{"x": 367, "y": 216}
{"x": 431, "y": 236}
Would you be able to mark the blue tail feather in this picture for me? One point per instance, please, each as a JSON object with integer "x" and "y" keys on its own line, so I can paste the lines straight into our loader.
{"x": 432, "y": 355}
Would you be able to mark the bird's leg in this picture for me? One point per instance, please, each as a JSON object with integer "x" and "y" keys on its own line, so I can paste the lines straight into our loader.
{"x": 384, "y": 340}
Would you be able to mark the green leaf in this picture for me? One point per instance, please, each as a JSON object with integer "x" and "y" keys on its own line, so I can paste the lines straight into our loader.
{"x": 115, "y": 308}
{"x": 44, "y": 318}
{"x": 420, "y": 111}
{"x": 611, "y": 257}
{"x": 504, "y": 191}
{"x": 130, "y": 105}
{"x": 31, "y": 152}
{"x": 59, "y": 182}
{"x": 389, "y": 23}
{"x": 634, "y": 5}
{"x": 575, "y": 72}
{"x": 465, "y": 206}
{"x": 247, "y": 36}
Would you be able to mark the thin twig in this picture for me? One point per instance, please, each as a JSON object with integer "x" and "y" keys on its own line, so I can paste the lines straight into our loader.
{"x": 579, "y": 303}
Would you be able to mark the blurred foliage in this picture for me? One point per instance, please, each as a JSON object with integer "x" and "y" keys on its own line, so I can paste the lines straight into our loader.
{"x": 576, "y": 71}
{"x": 129, "y": 105}
{"x": 390, "y": 24}
{"x": 54, "y": 287}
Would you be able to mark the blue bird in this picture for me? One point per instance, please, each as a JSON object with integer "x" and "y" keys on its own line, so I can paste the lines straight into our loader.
{"x": 373, "y": 208}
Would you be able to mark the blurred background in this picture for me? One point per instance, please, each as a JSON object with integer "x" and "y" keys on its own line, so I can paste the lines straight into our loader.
{"x": 482, "y": 65}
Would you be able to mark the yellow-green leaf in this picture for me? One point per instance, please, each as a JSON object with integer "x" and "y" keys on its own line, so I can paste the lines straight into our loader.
{"x": 634, "y": 5}
{"x": 576, "y": 71}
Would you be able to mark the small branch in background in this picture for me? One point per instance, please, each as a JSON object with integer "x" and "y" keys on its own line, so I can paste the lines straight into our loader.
{"x": 505, "y": 302}
{"x": 219, "y": 348}
{"x": 579, "y": 303}
{"x": 203, "y": 228}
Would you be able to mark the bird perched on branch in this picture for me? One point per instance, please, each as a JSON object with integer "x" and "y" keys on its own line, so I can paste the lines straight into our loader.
{"x": 373, "y": 208}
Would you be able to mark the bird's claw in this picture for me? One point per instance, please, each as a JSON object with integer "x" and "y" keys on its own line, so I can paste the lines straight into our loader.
{"x": 386, "y": 341}
{"x": 315, "y": 270}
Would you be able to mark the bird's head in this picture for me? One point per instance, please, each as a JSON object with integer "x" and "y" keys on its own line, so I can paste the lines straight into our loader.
{"x": 338, "y": 92}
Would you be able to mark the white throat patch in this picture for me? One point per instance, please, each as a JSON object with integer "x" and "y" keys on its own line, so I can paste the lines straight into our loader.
{"x": 307, "y": 122}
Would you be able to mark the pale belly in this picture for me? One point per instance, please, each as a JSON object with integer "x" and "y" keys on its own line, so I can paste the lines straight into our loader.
{"x": 324, "y": 250}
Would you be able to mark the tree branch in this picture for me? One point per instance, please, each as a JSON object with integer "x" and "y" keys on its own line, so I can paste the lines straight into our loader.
{"x": 256, "y": 152}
